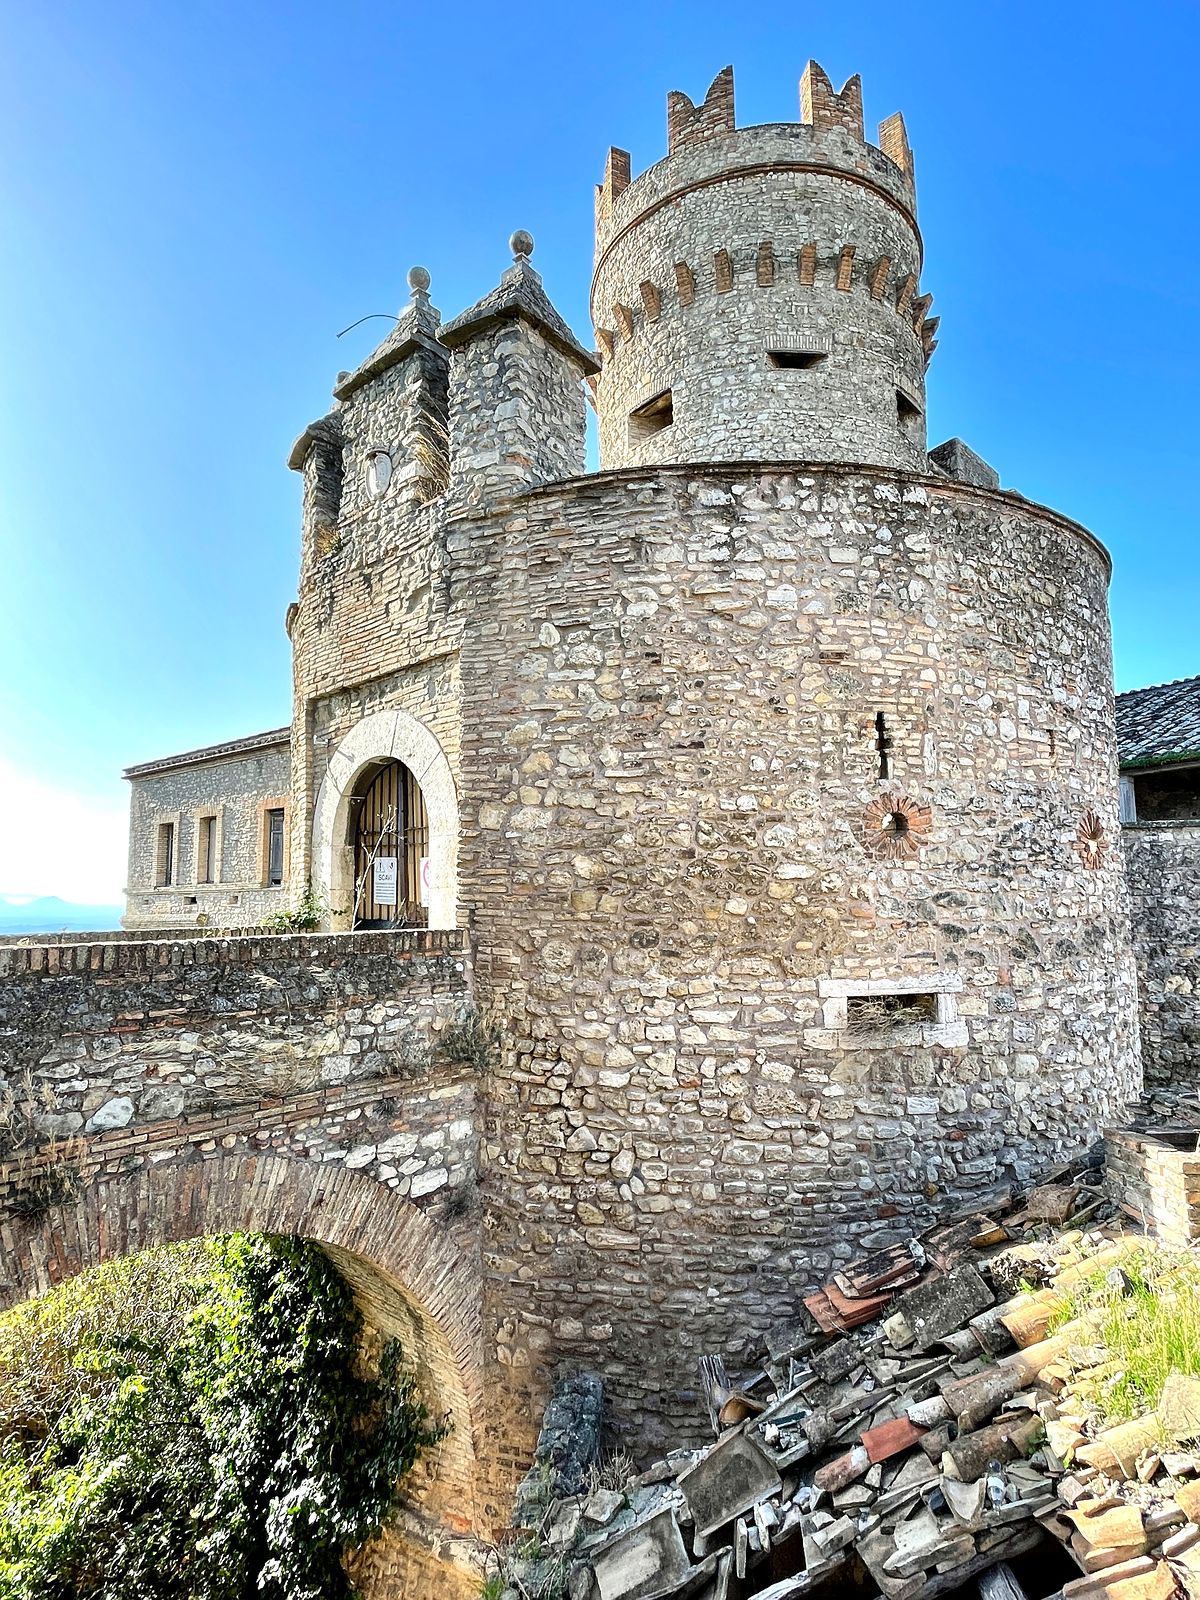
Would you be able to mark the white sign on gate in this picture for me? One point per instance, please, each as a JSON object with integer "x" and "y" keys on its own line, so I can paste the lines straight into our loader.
{"x": 426, "y": 877}
{"x": 383, "y": 881}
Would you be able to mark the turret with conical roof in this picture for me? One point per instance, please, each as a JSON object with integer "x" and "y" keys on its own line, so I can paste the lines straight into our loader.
{"x": 516, "y": 404}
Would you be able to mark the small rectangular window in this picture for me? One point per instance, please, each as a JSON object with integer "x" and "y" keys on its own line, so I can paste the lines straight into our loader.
{"x": 910, "y": 417}
{"x": 274, "y": 848}
{"x": 206, "y": 851}
{"x": 652, "y": 417}
{"x": 907, "y": 410}
{"x": 795, "y": 359}
{"x": 881, "y": 1013}
{"x": 1128, "y": 801}
{"x": 164, "y": 865}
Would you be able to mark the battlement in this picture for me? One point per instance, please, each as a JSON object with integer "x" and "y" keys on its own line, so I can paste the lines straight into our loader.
{"x": 757, "y": 291}
{"x": 846, "y": 268}
{"x": 831, "y": 126}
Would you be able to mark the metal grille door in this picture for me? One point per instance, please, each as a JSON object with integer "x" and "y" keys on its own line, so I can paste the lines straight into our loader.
{"x": 391, "y": 846}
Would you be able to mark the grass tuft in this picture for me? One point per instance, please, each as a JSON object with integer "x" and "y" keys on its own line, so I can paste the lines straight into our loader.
{"x": 1149, "y": 1323}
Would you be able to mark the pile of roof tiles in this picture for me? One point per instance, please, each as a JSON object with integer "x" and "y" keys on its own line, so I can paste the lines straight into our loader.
{"x": 911, "y": 1436}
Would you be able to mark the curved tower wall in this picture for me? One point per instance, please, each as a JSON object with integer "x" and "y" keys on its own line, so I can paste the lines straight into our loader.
{"x": 786, "y": 788}
{"x": 766, "y": 278}
{"x": 686, "y": 909}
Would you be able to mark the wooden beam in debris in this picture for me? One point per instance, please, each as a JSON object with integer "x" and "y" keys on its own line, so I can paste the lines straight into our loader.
{"x": 1000, "y": 1583}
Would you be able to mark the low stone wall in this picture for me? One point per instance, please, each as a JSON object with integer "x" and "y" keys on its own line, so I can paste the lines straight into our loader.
{"x": 1162, "y": 863}
{"x": 147, "y": 935}
{"x": 158, "y": 1037}
{"x": 318, "y": 1047}
{"x": 1154, "y": 1176}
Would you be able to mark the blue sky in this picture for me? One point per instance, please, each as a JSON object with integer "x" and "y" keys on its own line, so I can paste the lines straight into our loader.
{"x": 198, "y": 197}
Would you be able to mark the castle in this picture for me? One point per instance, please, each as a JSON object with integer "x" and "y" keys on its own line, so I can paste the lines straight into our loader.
{"x": 770, "y": 771}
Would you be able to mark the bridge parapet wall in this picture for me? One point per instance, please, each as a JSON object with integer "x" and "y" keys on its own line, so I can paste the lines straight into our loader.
{"x": 331, "y": 1048}
{"x": 161, "y": 1089}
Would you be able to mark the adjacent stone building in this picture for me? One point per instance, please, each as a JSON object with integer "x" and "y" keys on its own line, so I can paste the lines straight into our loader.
{"x": 208, "y": 835}
{"x": 771, "y": 769}
{"x": 1158, "y": 730}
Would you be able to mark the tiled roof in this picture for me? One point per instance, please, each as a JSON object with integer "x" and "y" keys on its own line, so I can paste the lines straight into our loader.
{"x": 1159, "y": 724}
{"x": 276, "y": 738}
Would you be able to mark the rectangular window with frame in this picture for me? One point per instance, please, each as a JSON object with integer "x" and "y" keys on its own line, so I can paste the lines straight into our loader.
{"x": 206, "y": 850}
{"x": 164, "y": 859}
{"x": 274, "y": 847}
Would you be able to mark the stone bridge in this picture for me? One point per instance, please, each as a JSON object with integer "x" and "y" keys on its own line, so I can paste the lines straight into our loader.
{"x": 319, "y": 1085}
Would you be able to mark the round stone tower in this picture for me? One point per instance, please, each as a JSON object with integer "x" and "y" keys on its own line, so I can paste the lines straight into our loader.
{"x": 755, "y": 292}
{"x": 772, "y": 768}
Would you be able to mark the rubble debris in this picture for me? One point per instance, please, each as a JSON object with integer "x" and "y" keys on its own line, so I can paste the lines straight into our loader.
{"x": 929, "y": 1425}
{"x": 891, "y": 1439}
{"x": 730, "y": 1478}
{"x": 1178, "y": 1410}
{"x": 937, "y": 1307}
{"x": 647, "y": 1559}
{"x": 567, "y": 1445}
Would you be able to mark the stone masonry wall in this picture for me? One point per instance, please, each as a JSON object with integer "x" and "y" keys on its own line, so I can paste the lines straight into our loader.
{"x": 674, "y": 865}
{"x": 233, "y": 790}
{"x": 273, "y": 1041}
{"x": 1162, "y": 863}
{"x": 755, "y": 252}
{"x": 516, "y": 413}
{"x": 373, "y": 628}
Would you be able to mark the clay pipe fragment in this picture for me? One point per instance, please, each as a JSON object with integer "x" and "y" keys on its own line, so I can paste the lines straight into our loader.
{"x": 938, "y": 1440}
{"x": 980, "y": 1396}
{"x": 967, "y": 1458}
{"x": 843, "y": 1470}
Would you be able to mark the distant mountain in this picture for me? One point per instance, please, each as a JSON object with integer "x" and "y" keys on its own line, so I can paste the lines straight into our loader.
{"x": 46, "y": 913}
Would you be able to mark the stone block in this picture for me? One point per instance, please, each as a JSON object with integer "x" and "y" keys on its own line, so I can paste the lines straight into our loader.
{"x": 730, "y": 1479}
{"x": 642, "y": 1561}
{"x": 941, "y": 1304}
{"x": 959, "y": 461}
{"x": 1179, "y": 1408}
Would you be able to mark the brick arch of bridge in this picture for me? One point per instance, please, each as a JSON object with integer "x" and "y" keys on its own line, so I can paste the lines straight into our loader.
{"x": 408, "y": 1276}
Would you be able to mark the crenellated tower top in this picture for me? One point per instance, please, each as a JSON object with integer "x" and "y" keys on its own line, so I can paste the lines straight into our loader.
{"x": 756, "y": 291}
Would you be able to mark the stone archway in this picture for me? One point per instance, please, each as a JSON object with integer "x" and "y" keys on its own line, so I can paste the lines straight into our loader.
{"x": 407, "y": 1275}
{"x": 384, "y": 736}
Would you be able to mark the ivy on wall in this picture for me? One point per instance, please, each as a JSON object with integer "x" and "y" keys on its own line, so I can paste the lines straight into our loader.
{"x": 195, "y": 1423}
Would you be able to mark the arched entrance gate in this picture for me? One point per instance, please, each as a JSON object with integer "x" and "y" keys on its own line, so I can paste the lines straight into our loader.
{"x": 388, "y": 763}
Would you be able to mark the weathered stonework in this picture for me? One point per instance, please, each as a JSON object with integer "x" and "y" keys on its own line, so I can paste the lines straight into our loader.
{"x": 794, "y": 240}
{"x": 294, "y": 1085}
{"x": 1162, "y": 861}
{"x": 669, "y": 742}
{"x": 770, "y": 772}
{"x": 1154, "y": 1176}
{"x": 232, "y": 785}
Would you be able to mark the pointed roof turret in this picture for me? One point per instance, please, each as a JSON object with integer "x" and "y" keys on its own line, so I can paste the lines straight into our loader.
{"x": 519, "y": 294}
{"x": 416, "y": 328}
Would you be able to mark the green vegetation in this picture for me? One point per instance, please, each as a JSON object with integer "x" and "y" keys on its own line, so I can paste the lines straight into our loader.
{"x": 1147, "y": 1316}
{"x": 469, "y": 1041}
{"x": 194, "y": 1423}
{"x": 306, "y": 916}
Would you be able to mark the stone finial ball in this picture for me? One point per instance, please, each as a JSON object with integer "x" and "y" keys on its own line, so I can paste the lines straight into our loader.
{"x": 521, "y": 243}
{"x": 418, "y": 280}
